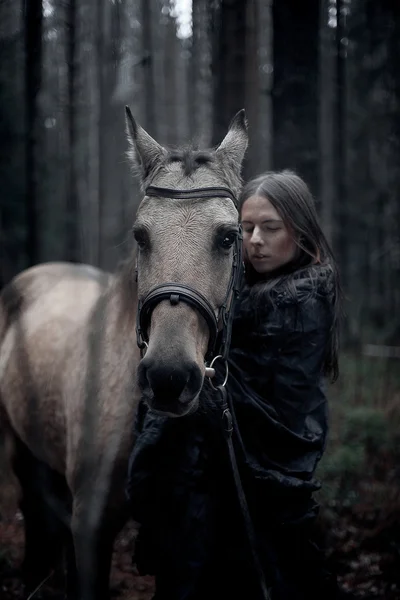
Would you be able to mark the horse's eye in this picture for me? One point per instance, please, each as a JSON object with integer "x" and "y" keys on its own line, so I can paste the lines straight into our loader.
{"x": 141, "y": 238}
{"x": 227, "y": 240}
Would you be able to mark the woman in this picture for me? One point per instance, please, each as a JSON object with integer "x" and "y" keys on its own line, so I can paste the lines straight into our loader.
{"x": 284, "y": 344}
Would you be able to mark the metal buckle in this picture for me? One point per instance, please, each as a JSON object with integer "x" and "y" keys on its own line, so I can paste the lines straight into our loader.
{"x": 227, "y": 421}
{"x": 143, "y": 348}
{"x": 211, "y": 365}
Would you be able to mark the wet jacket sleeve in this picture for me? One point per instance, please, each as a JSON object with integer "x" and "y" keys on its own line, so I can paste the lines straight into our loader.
{"x": 297, "y": 382}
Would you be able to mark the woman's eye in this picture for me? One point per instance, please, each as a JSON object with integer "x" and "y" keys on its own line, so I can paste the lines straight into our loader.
{"x": 272, "y": 228}
{"x": 227, "y": 240}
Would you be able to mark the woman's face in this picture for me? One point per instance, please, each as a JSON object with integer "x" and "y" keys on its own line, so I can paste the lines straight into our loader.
{"x": 267, "y": 242}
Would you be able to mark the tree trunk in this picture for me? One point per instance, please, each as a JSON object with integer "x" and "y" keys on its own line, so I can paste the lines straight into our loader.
{"x": 147, "y": 66}
{"x": 200, "y": 79}
{"x": 101, "y": 90}
{"x": 260, "y": 148}
{"x": 33, "y": 16}
{"x": 171, "y": 96}
{"x": 295, "y": 89}
{"x": 13, "y": 221}
{"x": 229, "y": 63}
{"x": 327, "y": 181}
{"x": 343, "y": 214}
{"x": 113, "y": 128}
{"x": 252, "y": 88}
{"x": 394, "y": 53}
{"x": 73, "y": 252}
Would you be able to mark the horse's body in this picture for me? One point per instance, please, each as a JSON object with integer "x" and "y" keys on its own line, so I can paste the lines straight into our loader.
{"x": 68, "y": 362}
{"x": 57, "y": 375}
{"x": 45, "y": 340}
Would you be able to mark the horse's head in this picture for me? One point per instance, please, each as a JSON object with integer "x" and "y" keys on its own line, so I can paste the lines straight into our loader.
{"x": 186, "y": 240}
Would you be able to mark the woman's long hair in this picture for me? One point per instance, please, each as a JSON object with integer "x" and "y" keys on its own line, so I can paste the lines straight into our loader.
{"x": 292, "y": 199}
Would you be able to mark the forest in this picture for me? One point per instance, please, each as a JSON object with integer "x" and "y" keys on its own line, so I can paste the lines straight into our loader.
{"x": 320, "y": 83}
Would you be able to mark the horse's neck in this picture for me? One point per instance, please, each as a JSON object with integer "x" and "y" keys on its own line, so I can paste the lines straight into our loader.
{"x": 120, "y": 300}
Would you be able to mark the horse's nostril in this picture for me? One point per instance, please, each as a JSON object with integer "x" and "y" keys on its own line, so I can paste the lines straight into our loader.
{"x": 194, "y": 383}
{"x": 181, "y": 382}
{"x": 167, "y": 382}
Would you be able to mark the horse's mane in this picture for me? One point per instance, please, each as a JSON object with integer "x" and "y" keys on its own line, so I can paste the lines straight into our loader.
{"x": 11, "y": 303}
{"x": 126, "y": 285}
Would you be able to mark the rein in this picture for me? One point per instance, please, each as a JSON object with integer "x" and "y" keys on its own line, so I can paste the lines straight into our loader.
{"x": 220, "y": 323}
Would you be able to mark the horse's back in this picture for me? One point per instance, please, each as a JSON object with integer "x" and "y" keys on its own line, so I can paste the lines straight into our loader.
{"x": 43, "y": 312}
{"x": 37, "y": 280}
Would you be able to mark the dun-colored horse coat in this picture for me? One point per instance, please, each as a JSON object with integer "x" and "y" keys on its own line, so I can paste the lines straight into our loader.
{"x": 71, "y": 373}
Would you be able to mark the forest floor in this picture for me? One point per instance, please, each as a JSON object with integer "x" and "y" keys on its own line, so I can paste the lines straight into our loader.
{"x": 360, "y": 498}
{"x": 125, "y": 582}
{"x": 363, "y": 551}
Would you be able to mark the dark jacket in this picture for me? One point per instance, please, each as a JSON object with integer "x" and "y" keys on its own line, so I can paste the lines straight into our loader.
{"x": 180, "y": 482}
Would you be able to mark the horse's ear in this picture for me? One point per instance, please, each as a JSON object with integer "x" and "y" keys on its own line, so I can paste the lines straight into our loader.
{"x": 144, "y": 151}
{"x": 233, "y": 147}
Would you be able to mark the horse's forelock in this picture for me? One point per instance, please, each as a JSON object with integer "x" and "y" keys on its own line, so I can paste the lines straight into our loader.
{"x": 190, "y": 159}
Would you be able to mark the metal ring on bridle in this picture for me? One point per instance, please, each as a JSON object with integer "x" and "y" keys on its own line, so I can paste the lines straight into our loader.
{"x": 223, "y": 384}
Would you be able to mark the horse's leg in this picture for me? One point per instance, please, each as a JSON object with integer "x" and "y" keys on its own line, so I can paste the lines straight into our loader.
{"x": 93, "y": 550}
{"x": 71, "y": 583}
{"x": 44, "y": 505}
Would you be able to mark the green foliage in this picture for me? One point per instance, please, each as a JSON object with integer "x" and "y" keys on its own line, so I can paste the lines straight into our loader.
{"x": 363, "y": 445}
{"x": 347, "y": 460}
{"x": 366, "y": 427}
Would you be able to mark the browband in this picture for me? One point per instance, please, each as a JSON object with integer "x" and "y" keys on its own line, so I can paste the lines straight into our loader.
{"x": 206, "y": 192}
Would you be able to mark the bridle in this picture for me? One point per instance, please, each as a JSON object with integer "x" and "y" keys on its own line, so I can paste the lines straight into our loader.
{"x": 220, "y": 325}
{"x": 217, "y": 324}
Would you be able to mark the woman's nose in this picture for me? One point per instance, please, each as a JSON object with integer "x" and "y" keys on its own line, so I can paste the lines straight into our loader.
{"x": 256, "y": 237}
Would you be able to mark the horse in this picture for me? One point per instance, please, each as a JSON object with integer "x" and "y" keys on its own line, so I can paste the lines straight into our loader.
{"x": 79, "y": 348}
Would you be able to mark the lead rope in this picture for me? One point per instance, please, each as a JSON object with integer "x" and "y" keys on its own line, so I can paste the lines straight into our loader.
{"x": 227, "y": 422}
{"x": 227, "y": 419}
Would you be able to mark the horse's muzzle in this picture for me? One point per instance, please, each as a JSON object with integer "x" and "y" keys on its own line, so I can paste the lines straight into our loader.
{"x": 170, "y": 389}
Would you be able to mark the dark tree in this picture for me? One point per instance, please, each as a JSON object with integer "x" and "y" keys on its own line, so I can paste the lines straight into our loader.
{"x": 171, "y": 98}
{"x": 343, "y": 232}
{"x": 33, "y": 18}
{"x": 229, "y": 63}
{"x": 73, "y": 251}
{"x": 12, "y": 151}
{"x": 257, "y": 86}
{"x": 326, "y": 93}
{"x": 368, "y": 247}
{"x": 102, "y": 91}
{"x": 295, "y": 87}
{"x": 200, "y": 81}
{"x": 147, "y": 64}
